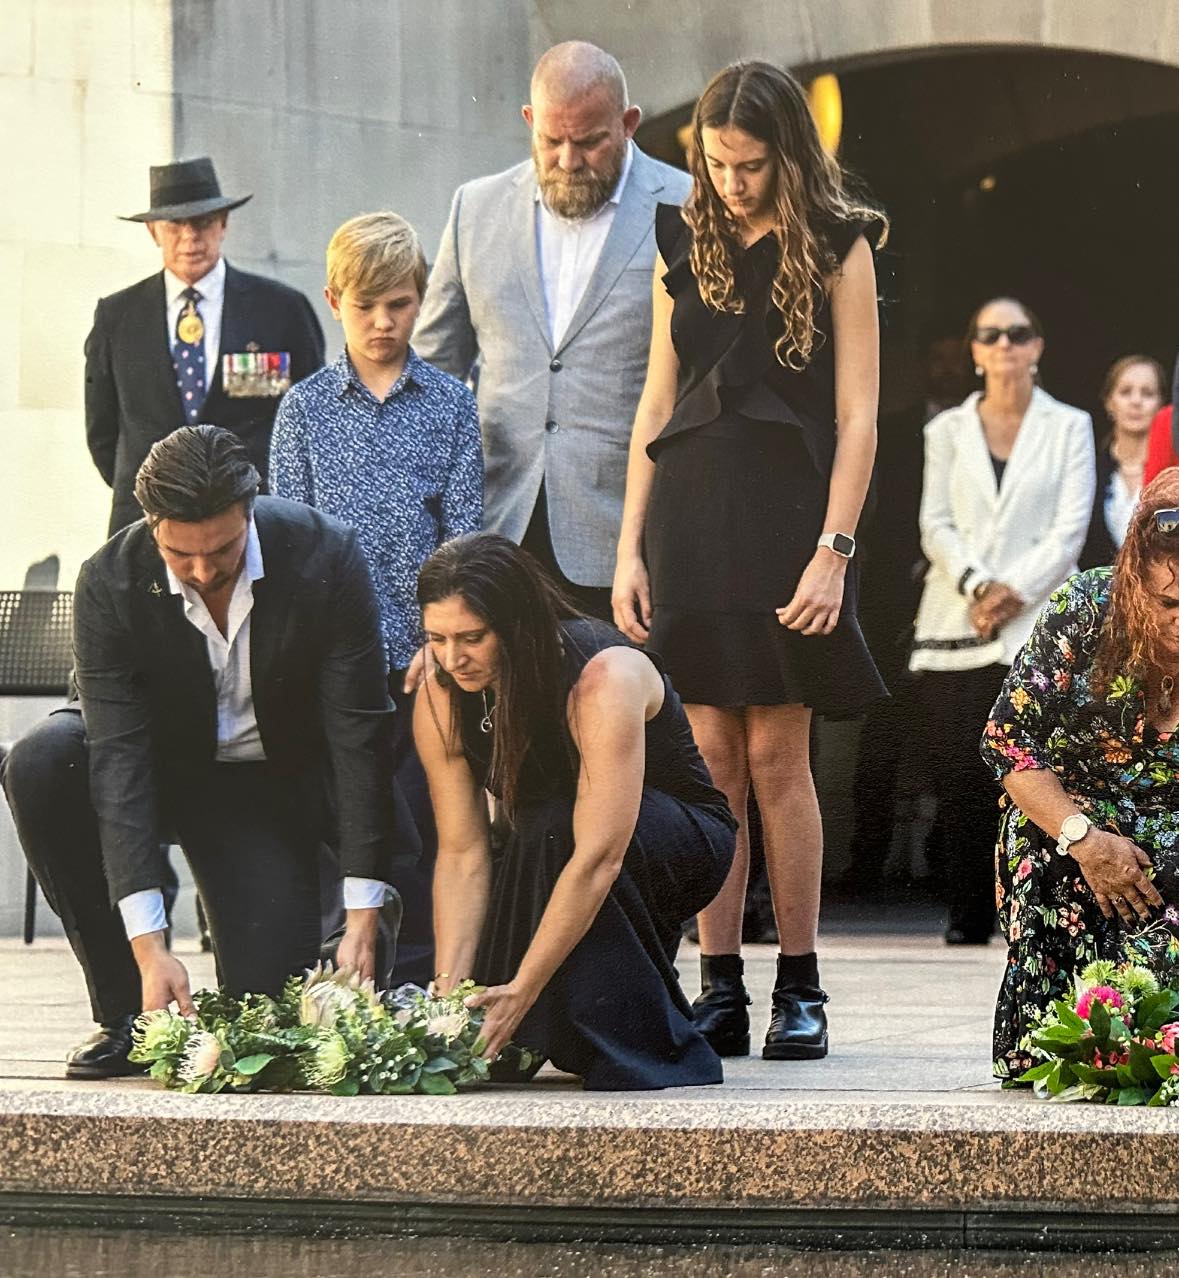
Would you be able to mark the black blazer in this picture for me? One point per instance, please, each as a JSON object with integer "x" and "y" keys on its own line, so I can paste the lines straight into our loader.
{"x": 131, "y": 394}
{"x": 317, "y": 668}
{"x": 1099, "y": 549}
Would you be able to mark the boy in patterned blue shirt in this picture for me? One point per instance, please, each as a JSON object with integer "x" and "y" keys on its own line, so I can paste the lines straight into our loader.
{"x": 390, "y": 445}
{"x": 379, "y": 438}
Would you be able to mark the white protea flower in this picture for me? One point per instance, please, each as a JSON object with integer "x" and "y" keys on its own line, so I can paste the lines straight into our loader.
{"x": 448, "y": 1024}
{"x": 160, "y": 1031}
{"x": 328, "y": 1060}
{"x": 202, "y": 1055}
{"x": 326, "y": 993}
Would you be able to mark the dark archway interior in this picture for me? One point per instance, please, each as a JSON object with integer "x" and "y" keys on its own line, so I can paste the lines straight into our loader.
{"x": 1047, "y": 175}
{"x": 1051, "y": 176}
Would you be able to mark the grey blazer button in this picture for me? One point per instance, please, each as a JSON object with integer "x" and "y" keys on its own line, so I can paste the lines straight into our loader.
{"x": 551, "y": 427}
{"x": 555, "y": 366}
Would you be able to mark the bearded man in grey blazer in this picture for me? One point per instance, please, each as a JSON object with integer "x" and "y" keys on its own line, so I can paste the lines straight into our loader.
{"x": 541, "y": 289}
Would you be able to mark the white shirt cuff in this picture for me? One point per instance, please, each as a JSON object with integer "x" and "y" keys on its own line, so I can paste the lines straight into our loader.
{"x": 364, "y": 894}
{"x": 143, "y": 912}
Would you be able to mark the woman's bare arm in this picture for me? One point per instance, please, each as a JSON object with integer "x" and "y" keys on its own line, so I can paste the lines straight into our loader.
{"x": 818, "y": 598}
{"x": 608, "y": 708}
{"x": 462, "y": 873}
{"x": 632, "y": 591}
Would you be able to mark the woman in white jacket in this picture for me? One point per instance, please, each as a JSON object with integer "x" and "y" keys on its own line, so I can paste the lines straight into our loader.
{"x": 1008, "y": 490}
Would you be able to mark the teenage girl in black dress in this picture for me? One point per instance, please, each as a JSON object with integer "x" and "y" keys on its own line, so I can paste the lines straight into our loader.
{"x": 734, "y": 560}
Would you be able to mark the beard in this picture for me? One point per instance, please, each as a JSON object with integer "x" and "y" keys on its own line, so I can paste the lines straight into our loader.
{"x": 580, "y": 194}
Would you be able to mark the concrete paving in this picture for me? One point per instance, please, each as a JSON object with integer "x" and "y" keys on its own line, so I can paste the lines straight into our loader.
{"x": 909, "y": 1018}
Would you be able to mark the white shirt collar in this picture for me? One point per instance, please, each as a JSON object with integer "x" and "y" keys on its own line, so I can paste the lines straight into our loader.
{"x": 252, "y": 568}
{"x": 615, "y": 198}
{"x": 211, "y": 287}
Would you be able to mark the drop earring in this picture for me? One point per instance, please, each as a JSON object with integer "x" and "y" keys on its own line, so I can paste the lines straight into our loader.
{"x": 978, "y": 372}
{"x": 1034, "y": 370}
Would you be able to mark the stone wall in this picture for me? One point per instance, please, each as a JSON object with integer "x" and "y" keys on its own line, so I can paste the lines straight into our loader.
{"x": 85, "y": 102}
{"x": 322, "y": 110}
{"x": 329, "y": 110}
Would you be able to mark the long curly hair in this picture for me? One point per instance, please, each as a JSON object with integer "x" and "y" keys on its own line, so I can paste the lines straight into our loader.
{"x": 508, "y": 589}
{"x": 811, "y": 189}
{"x": 1130, "y": 642}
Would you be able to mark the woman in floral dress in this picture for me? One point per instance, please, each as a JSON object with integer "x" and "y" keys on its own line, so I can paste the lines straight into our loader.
{"x": 1085, "y": 738}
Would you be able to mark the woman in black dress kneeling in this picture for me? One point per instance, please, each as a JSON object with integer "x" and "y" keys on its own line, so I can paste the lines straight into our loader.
{"x": 617, "y": 835}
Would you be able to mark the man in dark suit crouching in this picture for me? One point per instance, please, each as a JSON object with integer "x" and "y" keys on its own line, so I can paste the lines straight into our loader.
{"x": 231, "y": 677}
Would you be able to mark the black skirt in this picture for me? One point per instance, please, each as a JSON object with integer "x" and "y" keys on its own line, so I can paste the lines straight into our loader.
{"x": 736, "y": 509}
{"x": 613, "y": 1012}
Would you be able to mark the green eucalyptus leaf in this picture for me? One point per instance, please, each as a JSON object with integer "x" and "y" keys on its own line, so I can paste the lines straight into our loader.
{"x": 439, "y": 1065}
{"x": 1069, "y": 1019}
{"x": 252, "y": 1064}
{"x": 436, "y": 1085}
{"x": 1099, "y": 1023}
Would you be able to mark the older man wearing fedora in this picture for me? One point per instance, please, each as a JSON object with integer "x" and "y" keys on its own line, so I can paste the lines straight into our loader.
{"x": 197, "y": 342}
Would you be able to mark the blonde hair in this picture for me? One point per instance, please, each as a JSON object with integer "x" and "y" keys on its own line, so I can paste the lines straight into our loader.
{"x": 1130, "y": 643}
{"x": 373, "y": 253}
{"x": 770, "y": 105}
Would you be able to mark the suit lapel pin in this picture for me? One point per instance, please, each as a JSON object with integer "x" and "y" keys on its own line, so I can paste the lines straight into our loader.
{"x": 155, "y": 588}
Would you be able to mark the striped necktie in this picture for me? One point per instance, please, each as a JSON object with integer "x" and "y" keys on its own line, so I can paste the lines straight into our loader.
{"x": 188, "y": 356}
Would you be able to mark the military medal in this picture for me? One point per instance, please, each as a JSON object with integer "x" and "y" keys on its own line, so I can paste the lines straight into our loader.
{"x": 190, "y": 328}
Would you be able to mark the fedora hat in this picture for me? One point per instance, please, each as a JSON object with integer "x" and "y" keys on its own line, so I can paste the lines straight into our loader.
{"x": 187, "y": 188}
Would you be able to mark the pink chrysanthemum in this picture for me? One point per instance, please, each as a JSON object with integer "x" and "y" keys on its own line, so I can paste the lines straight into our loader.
{"x": 1099, "y": 994}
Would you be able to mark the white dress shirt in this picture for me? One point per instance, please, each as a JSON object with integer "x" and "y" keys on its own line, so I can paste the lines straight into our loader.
{"x": 238, "y": 737}
{"x": 568, "y": 251}
{"x": 211, "y": 287}
{"x": 1120, "y": 504}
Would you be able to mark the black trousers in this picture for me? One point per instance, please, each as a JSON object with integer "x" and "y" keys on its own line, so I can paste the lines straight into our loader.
{"x": 246, "y": 834}
{"x": 955, "y": 707}
{"x": 594, "y": 601}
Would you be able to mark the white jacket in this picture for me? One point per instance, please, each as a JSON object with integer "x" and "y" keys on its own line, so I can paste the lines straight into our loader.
{"x": 1027, "y": 533}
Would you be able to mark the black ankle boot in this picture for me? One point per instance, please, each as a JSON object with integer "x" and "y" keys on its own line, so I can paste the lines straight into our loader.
{"x": 798, "y": 1024}
{"x": 720, "y": 1012}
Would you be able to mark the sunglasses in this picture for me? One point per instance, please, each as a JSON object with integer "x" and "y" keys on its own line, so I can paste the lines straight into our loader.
{"x": 1017, "y": 335}
{"x": 1167, "y": 521}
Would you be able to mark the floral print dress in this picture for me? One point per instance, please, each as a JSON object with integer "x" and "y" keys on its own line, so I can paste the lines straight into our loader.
{"x": 1118, "y": 770}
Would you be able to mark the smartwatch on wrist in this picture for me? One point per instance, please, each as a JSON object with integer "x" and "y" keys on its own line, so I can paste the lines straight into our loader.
{"x": 1072, "y": 830}
{"x": 843, "y": 545}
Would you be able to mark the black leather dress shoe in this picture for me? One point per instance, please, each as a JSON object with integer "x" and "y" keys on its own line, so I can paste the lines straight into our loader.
{"x": 104, "y": 1053}
{"x": 721, "y": 1011}
{"x": 798, "y": 1026}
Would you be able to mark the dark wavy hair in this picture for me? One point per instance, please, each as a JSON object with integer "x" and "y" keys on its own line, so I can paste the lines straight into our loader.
{"x": 811, "y": 193}
{"x": 512, "y": 594}
{"x": 194, "y": 473}
{"x": 1130, "y": 643}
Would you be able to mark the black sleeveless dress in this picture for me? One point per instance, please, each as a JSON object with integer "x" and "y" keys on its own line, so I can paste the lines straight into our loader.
{"x": 742, "y": 471}
{"x": 613, "y": 1012}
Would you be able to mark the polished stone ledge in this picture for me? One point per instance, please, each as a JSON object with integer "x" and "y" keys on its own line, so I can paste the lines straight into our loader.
{"x": 508, "y": 1149}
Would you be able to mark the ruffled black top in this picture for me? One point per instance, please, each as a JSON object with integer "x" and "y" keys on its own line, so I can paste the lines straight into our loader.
{"x": 672, "y": 763}
{"x": 727, "y": 362}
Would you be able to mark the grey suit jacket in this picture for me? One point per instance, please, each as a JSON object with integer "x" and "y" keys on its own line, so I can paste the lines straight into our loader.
{"x": 559, "y": 415}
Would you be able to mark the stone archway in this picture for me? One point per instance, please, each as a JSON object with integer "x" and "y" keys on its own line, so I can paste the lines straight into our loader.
{"x": 669, "y": 50}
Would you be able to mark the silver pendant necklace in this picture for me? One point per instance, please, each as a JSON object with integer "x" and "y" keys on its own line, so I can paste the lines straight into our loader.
{"x": 486, "y": 724}
{"x": 1166, "y": 687}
